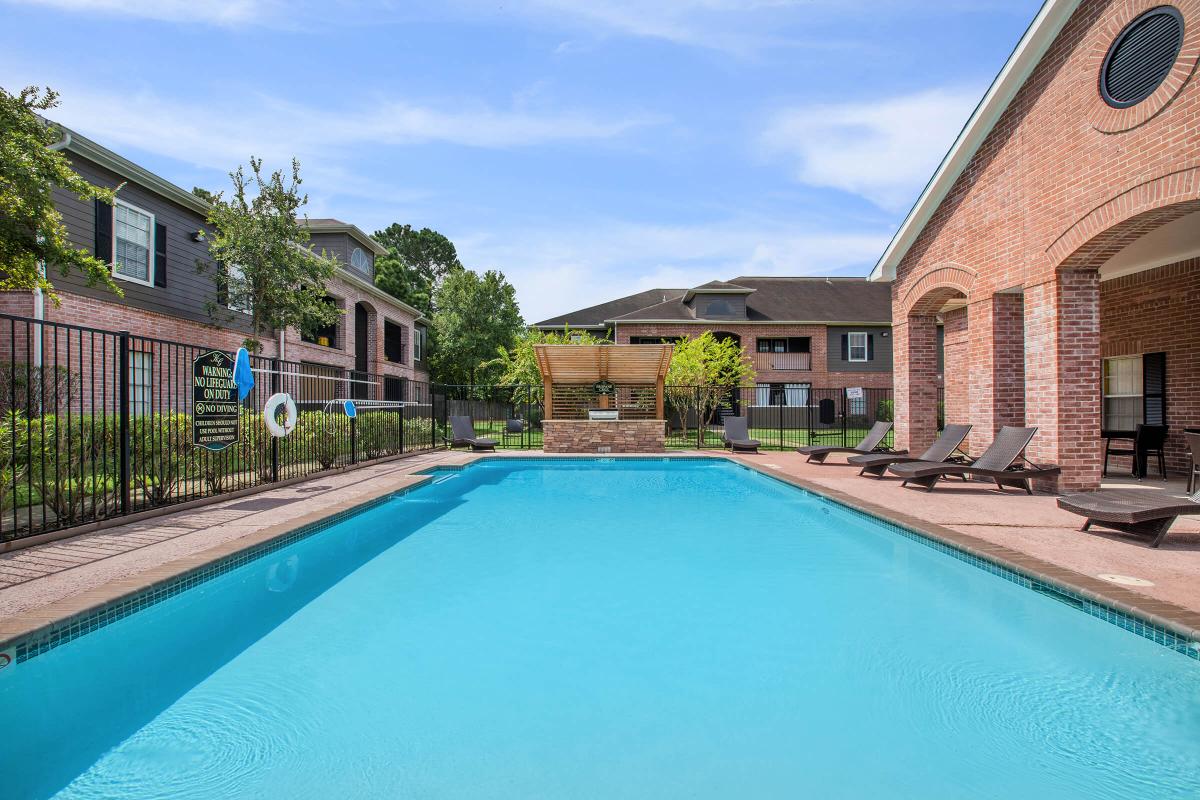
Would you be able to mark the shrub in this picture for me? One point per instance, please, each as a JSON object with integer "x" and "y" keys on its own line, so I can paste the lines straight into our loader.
{"x": 160, "y": 445}
{"x": 885, "y": 411}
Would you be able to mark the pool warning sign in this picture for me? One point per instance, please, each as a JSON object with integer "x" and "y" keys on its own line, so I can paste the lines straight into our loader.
{"x": 214, "y": 401}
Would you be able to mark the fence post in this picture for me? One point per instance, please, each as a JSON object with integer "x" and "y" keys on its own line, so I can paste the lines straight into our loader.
{"x": 275, "y": 367}
{"x": 354, "y": 439}
{"x": 699, "y": 414}
{"x": 845, "y": 409}
{"x": 123, "y": 417}
{"x": 781, "y": 408}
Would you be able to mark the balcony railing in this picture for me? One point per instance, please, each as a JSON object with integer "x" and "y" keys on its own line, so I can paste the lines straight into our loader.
{"x": 782, "y": 362}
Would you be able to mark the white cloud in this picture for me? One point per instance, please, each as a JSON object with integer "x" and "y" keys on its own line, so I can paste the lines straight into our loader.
{"x": 217, "y": 12}
{"x": 884, "y": 151}
{"x": 217, "y": 135}
{"x": 560, "y": 269}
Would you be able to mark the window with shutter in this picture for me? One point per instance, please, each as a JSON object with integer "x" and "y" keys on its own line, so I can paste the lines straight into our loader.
{"x": 858, "y": 346}
{"x": 133, "y": 250}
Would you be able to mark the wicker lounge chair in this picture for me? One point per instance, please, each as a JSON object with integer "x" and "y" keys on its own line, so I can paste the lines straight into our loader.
{"x": 737, "y": 436}
{"x": 1140, "y": 511}
{"x": 998, "y": 463}
{"x": 876, "y": 464}
{"x": 870, "y": 443}
{"x": 463, "y": 430}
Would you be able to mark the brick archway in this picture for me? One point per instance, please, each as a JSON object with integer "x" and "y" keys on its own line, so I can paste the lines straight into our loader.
{"x": 1063, "y": 382}
{"x": 1110, "y": 227}
{"x": 939, "y": 283}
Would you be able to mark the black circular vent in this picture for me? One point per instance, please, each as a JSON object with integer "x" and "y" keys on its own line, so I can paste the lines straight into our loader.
{"x": 1141, "y": 57}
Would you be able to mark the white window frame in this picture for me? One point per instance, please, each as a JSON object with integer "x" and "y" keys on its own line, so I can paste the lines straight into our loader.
{"x": 230, "y": 269}
{"x": 850, "y": 345}
{"x": 141, "y": 382}
{"x": 418, "y": 344}
{"x": 365, "y": 267}
{"x": 1105, "y": 396}
{"x": 151, "y": 256}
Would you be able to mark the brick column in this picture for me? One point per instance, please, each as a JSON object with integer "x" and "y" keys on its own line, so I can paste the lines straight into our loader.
{"x": 915, "y": 354}
{"x": 997, "y": 366}
{"x": 1062, "y": 377}
{"x": 955, "y": 366}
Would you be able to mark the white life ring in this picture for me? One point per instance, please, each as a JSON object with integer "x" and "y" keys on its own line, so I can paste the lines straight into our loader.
{"x": 289, "y": 414}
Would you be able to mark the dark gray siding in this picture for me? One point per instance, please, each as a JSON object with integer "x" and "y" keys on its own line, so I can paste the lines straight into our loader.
{"x": 333, "y": 244}
{"x": 187, "y": 293}
{"x": 342, "y": 246}
{"x": 882, "y": 362}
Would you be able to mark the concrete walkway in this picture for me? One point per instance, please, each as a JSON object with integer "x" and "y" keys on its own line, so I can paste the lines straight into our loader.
{"x": 44, "y": 574}
{"x": 1032, "y": 525}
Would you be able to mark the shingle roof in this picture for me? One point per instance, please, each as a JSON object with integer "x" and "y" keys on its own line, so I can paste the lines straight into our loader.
{"x": 792, "y": 300}
{"x": 721, "y": 286}
{"x": 595, "y": 316}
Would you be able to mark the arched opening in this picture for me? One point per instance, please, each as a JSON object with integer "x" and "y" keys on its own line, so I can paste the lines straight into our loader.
{"x": 930, "y": 347}
{"x": 1122, "y": 346}
{"x": 365, "y": 335}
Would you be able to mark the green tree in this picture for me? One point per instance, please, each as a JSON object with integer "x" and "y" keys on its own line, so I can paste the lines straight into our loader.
{"x": 262, "y": 262}
{"x": 32, "y": 233}
{"x": 475, "y": 315}
{"x": 415, "y": 265}
{"x": 703, "y": 371}
{"x": 517, "y": 365}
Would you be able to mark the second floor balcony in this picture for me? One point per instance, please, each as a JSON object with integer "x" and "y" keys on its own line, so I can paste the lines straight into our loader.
{"x": 782, "y": 362}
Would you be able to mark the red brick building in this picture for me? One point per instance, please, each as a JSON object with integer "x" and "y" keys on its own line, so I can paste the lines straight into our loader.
{"x": 1059, "y": 243}
{"x": 799, "y": 333}
{"x": 151, "y": 236}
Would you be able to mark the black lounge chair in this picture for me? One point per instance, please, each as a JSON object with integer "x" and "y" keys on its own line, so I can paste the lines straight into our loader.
{"x": 877, "y": 463}
{"x": 1139, "y": 511}
{"x": 463, "y": 430}
{"x": 736, "y": 436}
{"x": 869, "y": 444}
{"x": 998, "y": 463}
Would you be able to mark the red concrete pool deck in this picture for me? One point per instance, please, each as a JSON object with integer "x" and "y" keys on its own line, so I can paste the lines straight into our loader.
{"x": 1033, "y": 525}
{"x": 42, "y": 585}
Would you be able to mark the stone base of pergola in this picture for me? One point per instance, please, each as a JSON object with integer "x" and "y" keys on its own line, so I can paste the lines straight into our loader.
{"x": 604, "y": 436}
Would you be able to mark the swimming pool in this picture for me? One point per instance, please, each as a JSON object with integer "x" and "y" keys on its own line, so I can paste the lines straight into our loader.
{"x": 632, "y": 628}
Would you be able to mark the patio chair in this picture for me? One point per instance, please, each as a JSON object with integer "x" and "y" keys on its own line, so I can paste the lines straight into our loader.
{"x": 736, "y": 436}
{"x": 463, "y": 435}
{"x": 871, "y": 443}
{"x": 876, "y": 464}
{"x": 998, "y": 463}
{"x": 1139, "y": 511}
{"x": 1193, "y": 440}
{"x": 1147, "y": 441}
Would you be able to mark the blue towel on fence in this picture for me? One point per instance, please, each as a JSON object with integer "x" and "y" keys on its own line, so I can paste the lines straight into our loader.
{"x": 243, "y": 376}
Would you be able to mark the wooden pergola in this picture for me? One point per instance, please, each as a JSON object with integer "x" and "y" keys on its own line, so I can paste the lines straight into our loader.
{"x": 623, "y": 365}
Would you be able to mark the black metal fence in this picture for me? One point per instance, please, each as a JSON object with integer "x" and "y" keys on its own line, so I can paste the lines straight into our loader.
{"x": 780, "y": 417}
{"x": 96, "y": 424}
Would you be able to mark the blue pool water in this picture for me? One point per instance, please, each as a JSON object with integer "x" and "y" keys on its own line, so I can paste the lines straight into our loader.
{"x": 629, "y": 629}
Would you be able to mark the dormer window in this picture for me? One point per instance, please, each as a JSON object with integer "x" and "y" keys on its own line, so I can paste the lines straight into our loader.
{"x": 360, "y": 260}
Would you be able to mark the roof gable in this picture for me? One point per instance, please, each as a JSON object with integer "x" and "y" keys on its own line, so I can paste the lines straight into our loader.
{"x": 1039, "y": 36}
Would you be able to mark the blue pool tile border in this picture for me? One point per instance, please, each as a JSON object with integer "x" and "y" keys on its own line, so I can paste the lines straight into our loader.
{"x": 43, "y": 641}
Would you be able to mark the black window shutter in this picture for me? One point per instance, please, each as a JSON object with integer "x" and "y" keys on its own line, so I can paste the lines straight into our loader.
{"x": 845, "y": 347}
{"x": 160, "y": 255}
{"x": 222, "y": 281}
{"x": 104, "y": 229}
{"x": 1154, "y": 388}
{"x": 870, "y": 347}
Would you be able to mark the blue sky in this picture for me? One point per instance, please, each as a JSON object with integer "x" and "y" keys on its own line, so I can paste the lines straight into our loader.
{"x": 587, "y": 149}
